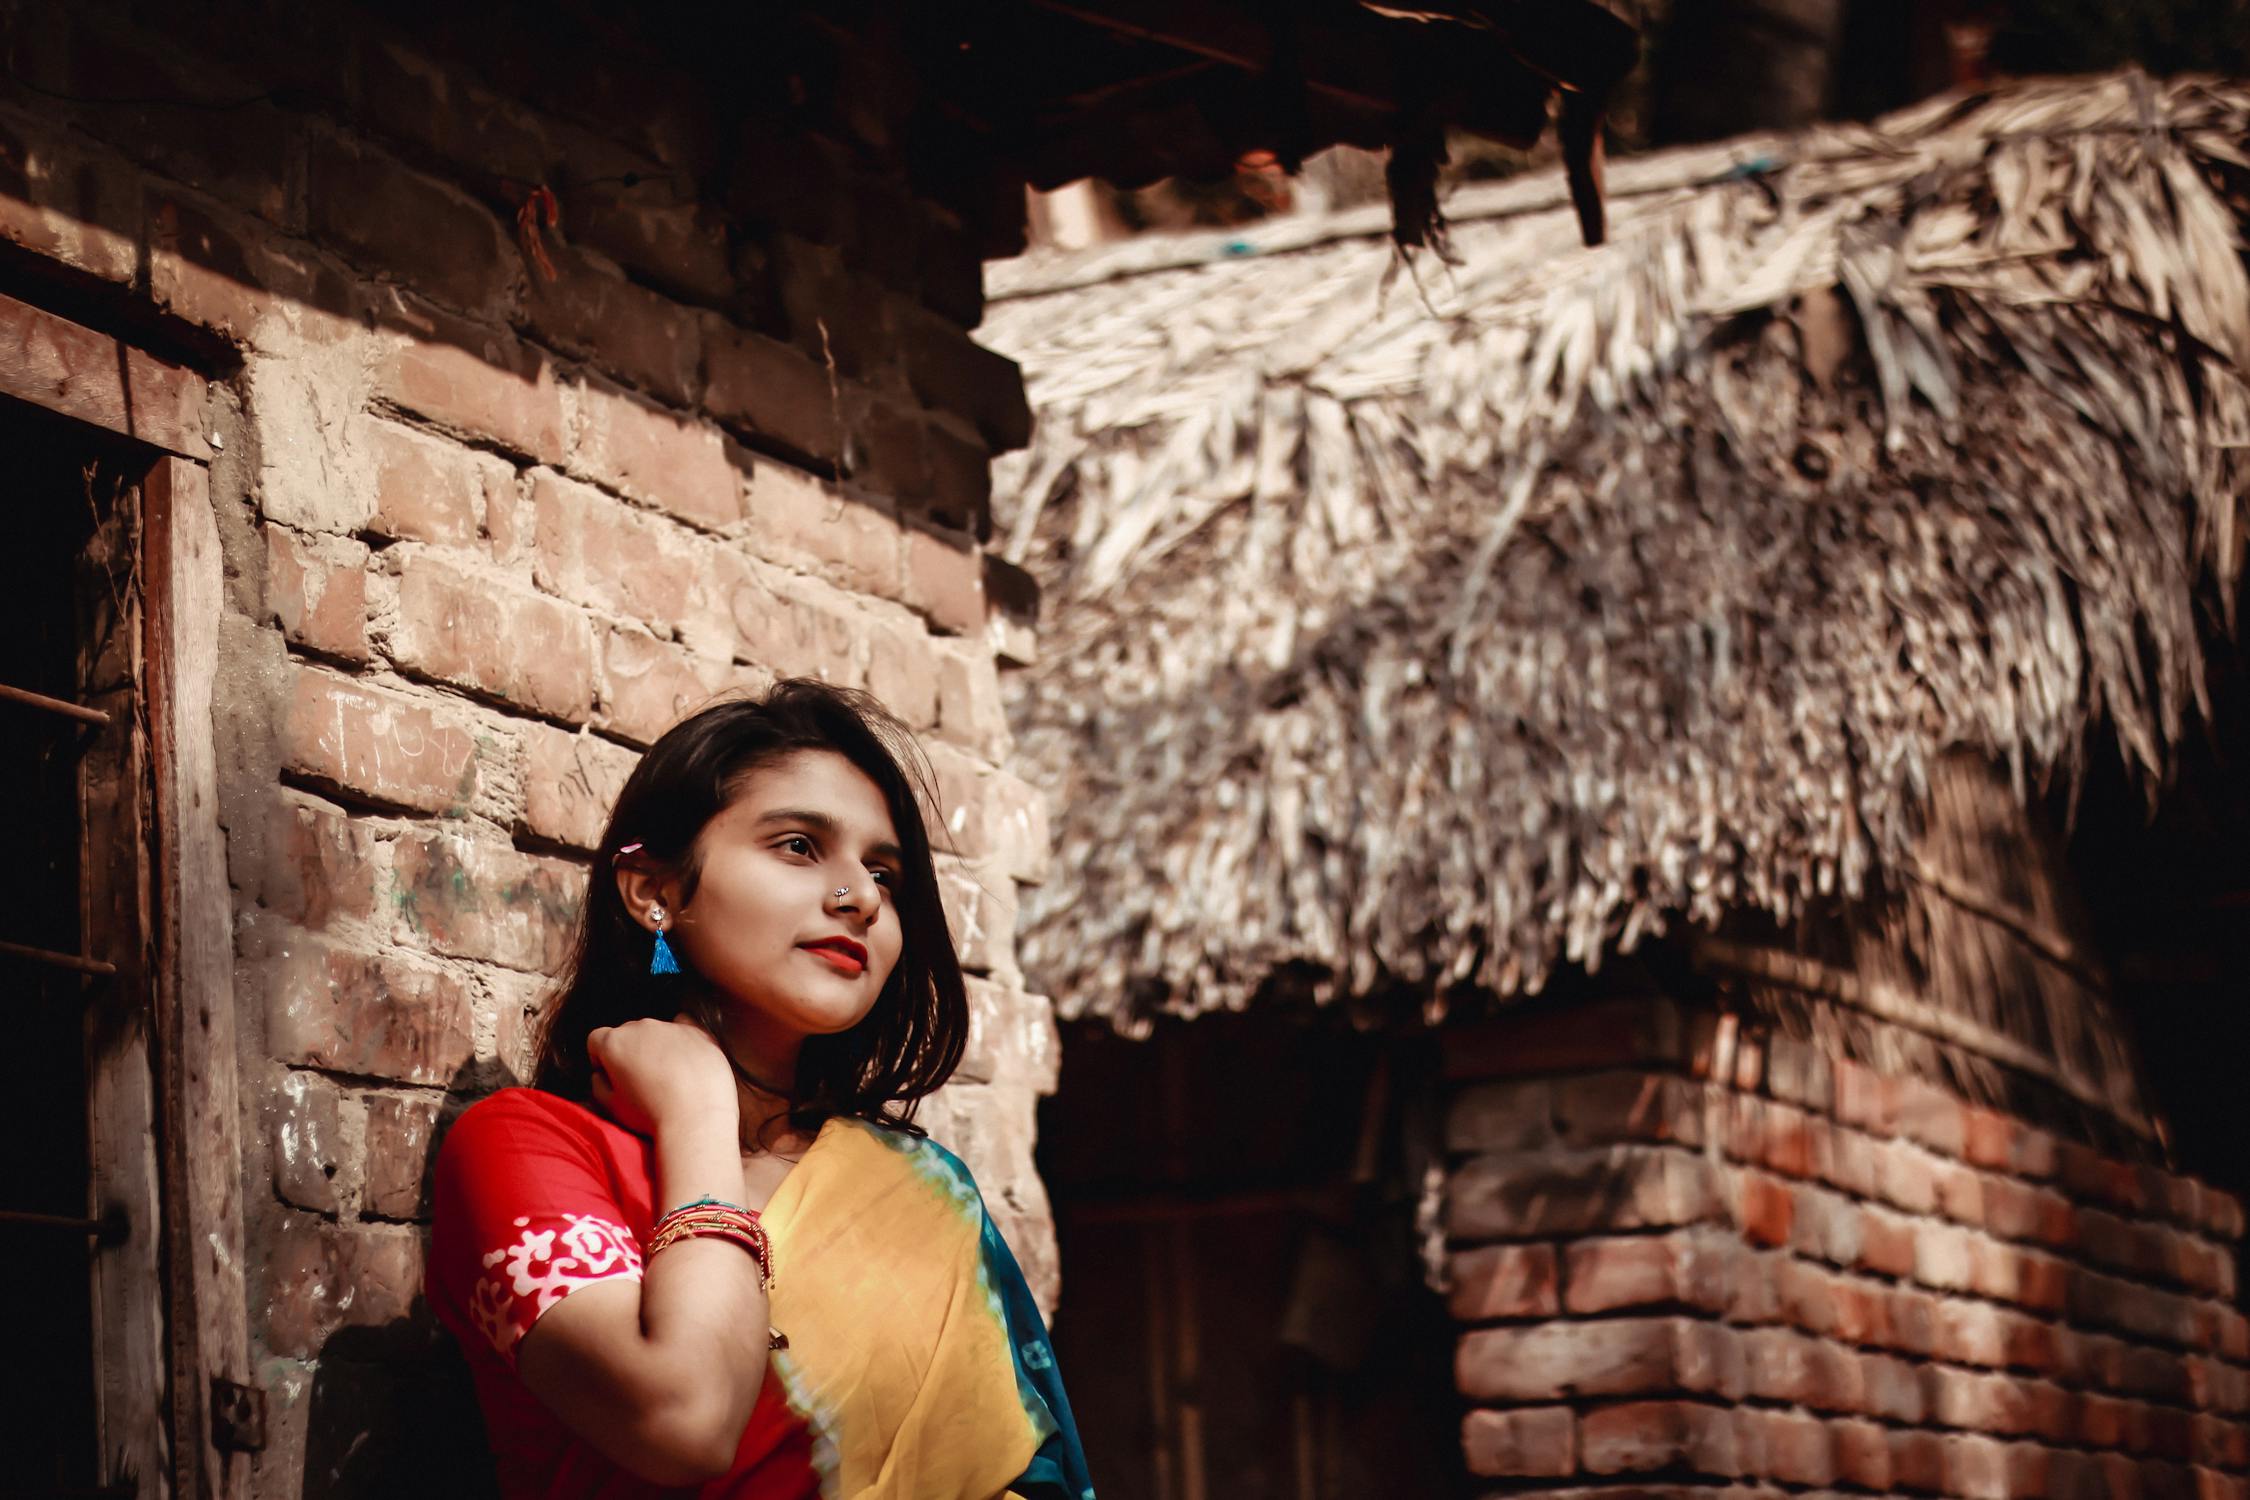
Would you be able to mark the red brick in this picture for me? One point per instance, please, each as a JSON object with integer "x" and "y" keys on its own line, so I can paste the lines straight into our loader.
{"x": 949, "y": 371}
{"x": 903, "y": 670}
{"x": 2086, "y": 1173}
{"x": 777, "y": 396}
{"x": 970, "y": 713}
{"x": 1574, "y": 1192}
{"x": 305, "y": 1140}
{"x": 477, "y": 384}
{"x": 1975, "y": 1468}
{"x": 600, "y": 552}
{"x": 374, "y": 1017}
{"x": 521, "y": 1003}
{"x": 1502, "y": 1281}
{"x": 1886, "y": 1243}
{"x": 1931, "y": 1117}
{"x": 673, "y": 243}
{"x": 1607, "y": 1107}
{"x": 1765, "y": 1208}
{"x": 469, "y": 898}
{"x": 1603, "y": 1275}
{"x": 1972, "y": 1333}
{"x": 892, "y": 457}
{"x": 389, "y": 218}
{"x": 675, "y": 463}
{"x": 1945, "y": 1257}
{"x": 800, "y": 521}
{"x": 62, "y": 206}
{"x": 401, "y": 1140}
{"x": 791, "y": 626}
{"x": 1799, "y": 1073}
{"x": 428, "y": 491}
{"x": 2034, "y": 1154}
{"x": 438, "y": 108}
{"x": 648, "y": 685}
{"x": 319, "y": 864}
{"x": 1826, "y": 1225}
{"x": 832, "y": 313}
{"x": 1852, "y": 1160}
{"x": 1960, "y": 1193}
{"x": 389, "y": 749}
{"x": 1798, "y": 1449}
{"x": 1780, "y": 1365}
{"x": 570, "y": 782}
{"x": 1866, "y": 1099}
{"x": 317, "y": 1277}
{"x": 234, "y": 276}
{"x": 1641, "y": 1436}
{"x": 1981, "y": 1403}
{"x": 1910, "y": 1321}
{"x": 2032, "y": 1345}
{"x": 960, "y": 482}
{"x": 1892, "y": 1389}
{"x": 1906, "y": 1176}
{"x": 1512, "y": 1115}
{"x": 483, "y": 635}
{"x": 944, "y": 582}
{"x": 1988, "y": 1138}
{"x": 1534, "y": 1442}
{"x": 1862, "y": 1455}
{"x": 316, "y": 591}
{"x": 637, "y": 335}
{"x": 1860, "y": 1314}
{"x": 1918, "y": 1461}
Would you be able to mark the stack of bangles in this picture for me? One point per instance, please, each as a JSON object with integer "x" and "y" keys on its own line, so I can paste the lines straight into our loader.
{"x": 714, "y": 1219}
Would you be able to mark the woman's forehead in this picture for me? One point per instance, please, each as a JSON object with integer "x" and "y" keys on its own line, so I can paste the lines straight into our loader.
{"x": 814, "y": 781}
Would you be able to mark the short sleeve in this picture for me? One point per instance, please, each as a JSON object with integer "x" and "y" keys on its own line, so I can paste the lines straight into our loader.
{"x": 524, "y": 1215}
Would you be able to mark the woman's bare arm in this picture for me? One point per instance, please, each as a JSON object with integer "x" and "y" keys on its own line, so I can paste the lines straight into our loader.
{"x": 660, "y": 1376}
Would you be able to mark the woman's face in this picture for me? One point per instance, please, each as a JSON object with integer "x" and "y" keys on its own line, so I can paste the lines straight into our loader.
{"x": 765, "y": 924}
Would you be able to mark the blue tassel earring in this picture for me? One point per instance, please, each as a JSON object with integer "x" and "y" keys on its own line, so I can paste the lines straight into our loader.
{"x": 661, "y": 960}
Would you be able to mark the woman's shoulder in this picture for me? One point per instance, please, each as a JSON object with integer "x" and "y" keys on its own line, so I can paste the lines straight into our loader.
{"x": 518, "y": 1116}
{"x": 928, "y": 1158}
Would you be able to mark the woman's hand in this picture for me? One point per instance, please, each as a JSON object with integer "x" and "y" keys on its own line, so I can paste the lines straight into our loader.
{"x": 655, "y": 1077}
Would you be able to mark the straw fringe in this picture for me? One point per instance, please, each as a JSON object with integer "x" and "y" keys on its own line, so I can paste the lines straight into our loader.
{"x": 1420, "y": 649}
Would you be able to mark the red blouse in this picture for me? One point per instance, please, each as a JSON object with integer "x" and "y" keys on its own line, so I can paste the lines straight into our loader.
{"x": 536, "y": 1197}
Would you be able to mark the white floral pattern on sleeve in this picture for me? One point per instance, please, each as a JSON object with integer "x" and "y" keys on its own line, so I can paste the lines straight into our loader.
{"x": 545, "y": 1265}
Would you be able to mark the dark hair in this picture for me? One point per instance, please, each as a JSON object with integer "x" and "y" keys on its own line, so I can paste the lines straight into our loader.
{"x": 907, "y": 1045}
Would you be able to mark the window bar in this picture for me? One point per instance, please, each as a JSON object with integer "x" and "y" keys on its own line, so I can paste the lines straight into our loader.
{"x": 111, "y": 1226}
{"x": 45, "y": 704}
{"x": 78, "y": 961}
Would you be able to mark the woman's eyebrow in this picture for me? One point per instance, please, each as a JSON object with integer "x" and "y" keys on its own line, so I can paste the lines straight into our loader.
{"x": 822, "y": 824}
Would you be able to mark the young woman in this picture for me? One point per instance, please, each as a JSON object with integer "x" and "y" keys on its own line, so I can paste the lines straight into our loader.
{"x": 708, "y": 1250}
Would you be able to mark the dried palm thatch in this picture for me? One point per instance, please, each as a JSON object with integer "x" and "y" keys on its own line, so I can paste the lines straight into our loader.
{"x": 1424, "y": 630}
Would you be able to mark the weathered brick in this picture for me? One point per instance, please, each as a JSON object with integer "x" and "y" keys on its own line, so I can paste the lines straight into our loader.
{"x": 960, "y": 482}
{"x": 1906, "y": 1176}
{"x": 61, "y": 206}
{"x": 1765, "y": 1208}
{"x": 305, "y": 1139}
{"x": 1012, "y": 612}
{"x": 481, "y": 634}
{"x": 891, "y": 455}
{"x": 792, "y": 626}
{"x": 477, "y": 384}
{"x": 330, "y": 1007}
{"x": 1502, "y": 1281}
{"x": 1611, "y": 1357}
{"x": 1020, "y": 837}
{"x": 662, "y": 458}
{"x": 1798, "y": 1072}
{"x": 600, "y": 552}
{"x": 949, "y": 371}
{"x": 1797, "y": 1448}
{"x": 903, "y": 670}
{"x": 1533, "y": 1442}
{"x": 648, "y": 685}
{"x": 401, "y": 1144}
{"x": 390, "y": 749}
{"x": 318, "y": 1277}
{"x": 520, "y": 1004}
{"x": 1606, "y": 1107}
{"x": 639, "y": 336}
{"x": 1886, "y": 1243}
{"x": 832, "y": 313}
{"x": 1863, "y": 1455}
{"x": 675, "y": 244}
{"x": 778, "y": 396}
{"x": 234, "y": 276}
{"x": 1640, "y": 1436}
{"x": 1988, "y": 1137}
{"x": 1944, "y": 1257}
{"x": 429, "y": 491}
{"x": 848, "y": 537}
{"x": 1975, "y": 1468}
{"x": 391, "y": 218}
{"x": 1512, "y": 1115}
{"x": 1931, "y": 1117}
{"x": 944, "y": 582}
{"x": 1575, "y": 1192}
{"x": 316, "y": 591}
{"x": 570, "y": 783}
{"x": 1865, "y": 1099}
{"x": 470, "y": 898}
{"x": 981, "y": 914}
{"x": 438, "y": 108}
{"x": 319, "y": 864}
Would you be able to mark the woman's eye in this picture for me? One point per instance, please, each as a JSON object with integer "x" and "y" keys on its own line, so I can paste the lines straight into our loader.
{"x": 884, "y": 877}
{"x": 797, "y": 843}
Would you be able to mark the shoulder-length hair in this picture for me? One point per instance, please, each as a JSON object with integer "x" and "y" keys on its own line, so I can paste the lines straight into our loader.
{"x": 907, "y": 1045}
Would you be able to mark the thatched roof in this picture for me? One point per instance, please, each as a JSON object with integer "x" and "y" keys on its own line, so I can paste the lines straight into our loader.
{"x": 1428, "y": 628}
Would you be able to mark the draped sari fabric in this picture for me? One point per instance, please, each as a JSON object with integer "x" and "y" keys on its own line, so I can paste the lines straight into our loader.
{"x": 917, "y": 1364}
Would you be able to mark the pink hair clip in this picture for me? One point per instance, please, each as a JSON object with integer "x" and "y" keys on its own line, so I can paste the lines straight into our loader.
{"x": 628, "y": 849}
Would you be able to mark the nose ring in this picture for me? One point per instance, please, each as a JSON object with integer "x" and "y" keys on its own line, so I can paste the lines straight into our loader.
{"x": 843, "y": 890}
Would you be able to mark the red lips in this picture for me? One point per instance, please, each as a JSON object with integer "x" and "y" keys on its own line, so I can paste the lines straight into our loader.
{"x": 840, "y": 951}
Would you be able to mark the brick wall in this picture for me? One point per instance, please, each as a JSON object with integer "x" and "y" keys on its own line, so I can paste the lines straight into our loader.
{"x": 489, "y": 532}
{"x": 1687, "y": 1250}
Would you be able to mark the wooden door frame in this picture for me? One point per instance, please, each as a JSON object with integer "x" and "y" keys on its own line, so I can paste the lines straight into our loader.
{"x": 192, "y": 1063}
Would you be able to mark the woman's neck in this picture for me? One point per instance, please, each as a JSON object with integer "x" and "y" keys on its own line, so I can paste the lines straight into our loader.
{"x": 765, "y": 1069}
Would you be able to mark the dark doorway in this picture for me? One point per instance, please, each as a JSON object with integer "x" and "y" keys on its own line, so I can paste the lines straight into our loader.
{"x": 1243, "y": 1312}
